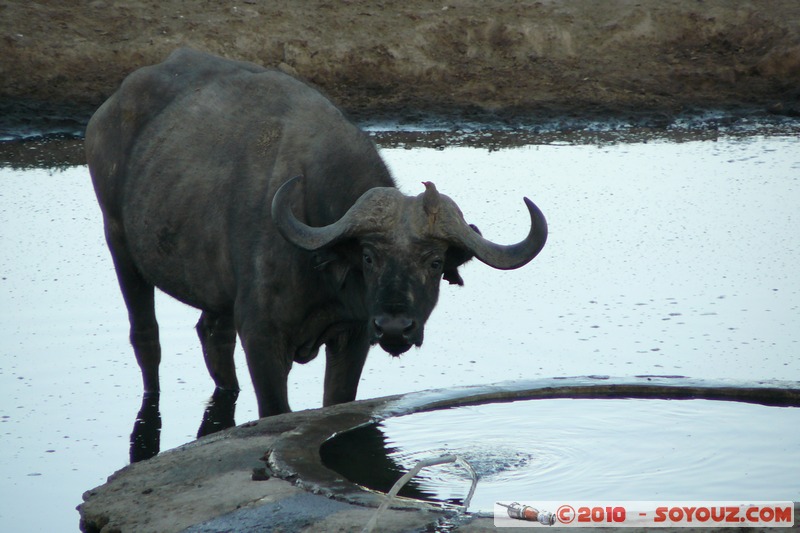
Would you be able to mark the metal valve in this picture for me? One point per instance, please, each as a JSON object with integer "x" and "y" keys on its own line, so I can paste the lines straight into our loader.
{"x": 529, "y": 514}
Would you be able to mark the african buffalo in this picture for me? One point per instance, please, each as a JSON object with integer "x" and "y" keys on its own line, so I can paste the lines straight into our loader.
{"x": 245, "y": 193}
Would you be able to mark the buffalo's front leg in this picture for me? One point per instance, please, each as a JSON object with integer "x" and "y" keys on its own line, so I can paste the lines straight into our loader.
{"x": 343, "y": 366}
{"x": 269, "y": 362}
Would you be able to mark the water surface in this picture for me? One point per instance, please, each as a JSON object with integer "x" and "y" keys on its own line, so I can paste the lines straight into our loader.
{"x": 672, "y": 256}
{"x": 583, "y": 449}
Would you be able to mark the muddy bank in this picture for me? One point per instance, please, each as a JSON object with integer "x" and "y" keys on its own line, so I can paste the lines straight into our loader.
{"x": 475, "y": 59}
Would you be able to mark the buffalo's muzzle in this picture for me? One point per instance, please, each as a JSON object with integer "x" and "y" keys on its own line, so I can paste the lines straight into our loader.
{"x": 396, "y": 334}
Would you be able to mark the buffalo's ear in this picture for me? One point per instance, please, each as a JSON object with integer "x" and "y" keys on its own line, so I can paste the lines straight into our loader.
{"x": 454, "y": 258}
{"x": 337, "y": 261}
{"x": 333, "y": 263}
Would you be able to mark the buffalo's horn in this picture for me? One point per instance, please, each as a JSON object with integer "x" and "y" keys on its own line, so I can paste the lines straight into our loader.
{"x": 371, "y": 212}
{"x": 504, "y": 257}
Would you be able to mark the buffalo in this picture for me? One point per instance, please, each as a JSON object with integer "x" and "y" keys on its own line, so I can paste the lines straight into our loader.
{"x": 245, "y": 193}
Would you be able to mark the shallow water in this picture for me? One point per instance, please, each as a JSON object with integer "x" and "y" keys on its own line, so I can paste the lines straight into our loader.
{"x": 664, "y": 258}
{"x": 589, "y": 450}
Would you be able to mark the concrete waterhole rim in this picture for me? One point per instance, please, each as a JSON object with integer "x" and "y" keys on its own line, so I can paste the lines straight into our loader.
{"x": 296, "y": 456}
{"x": 220, "y": 482}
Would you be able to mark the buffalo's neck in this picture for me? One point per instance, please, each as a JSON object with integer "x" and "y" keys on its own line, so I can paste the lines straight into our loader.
{"x": 336, "y": 332}
{"x": 336, "y": 312}
{"x": 323, "y": 325}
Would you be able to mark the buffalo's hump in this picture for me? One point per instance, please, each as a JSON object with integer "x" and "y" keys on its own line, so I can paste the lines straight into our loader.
{"x": 188, "y": 153}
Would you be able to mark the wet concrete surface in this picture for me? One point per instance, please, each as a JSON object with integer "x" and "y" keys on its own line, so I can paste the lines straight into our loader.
{"x": 223, "y": 483}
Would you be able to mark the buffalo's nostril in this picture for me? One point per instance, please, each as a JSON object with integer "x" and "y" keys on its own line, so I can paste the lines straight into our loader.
{"x": 394, "y": 327}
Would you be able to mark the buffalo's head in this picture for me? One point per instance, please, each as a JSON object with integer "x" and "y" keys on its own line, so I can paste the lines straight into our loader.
{"x": 404, "y": 246}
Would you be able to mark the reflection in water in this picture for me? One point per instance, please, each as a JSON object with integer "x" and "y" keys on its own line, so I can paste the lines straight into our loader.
{"x": 219, "y": 413}
{"x": 375, "y": 462}
{"x": 146, "y": 435}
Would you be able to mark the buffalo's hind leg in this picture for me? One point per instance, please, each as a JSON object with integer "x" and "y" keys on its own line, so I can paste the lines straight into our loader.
{"x": 139, "y": 296}
{"x": 218, "y": 336}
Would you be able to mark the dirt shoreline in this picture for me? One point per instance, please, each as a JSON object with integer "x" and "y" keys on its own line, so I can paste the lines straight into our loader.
{"x": 467, "y": 58}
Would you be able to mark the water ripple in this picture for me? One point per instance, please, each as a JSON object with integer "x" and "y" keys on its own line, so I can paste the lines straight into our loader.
{"x": 601, "y": 449}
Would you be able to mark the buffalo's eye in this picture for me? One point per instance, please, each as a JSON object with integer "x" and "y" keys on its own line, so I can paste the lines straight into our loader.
{"x": 436, "y": 264}
{"x": 368, "y": 259}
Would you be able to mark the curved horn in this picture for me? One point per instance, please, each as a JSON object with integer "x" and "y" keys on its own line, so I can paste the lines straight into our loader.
{"x": 503, "y": 257}
{"x": 371, "y": 212}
